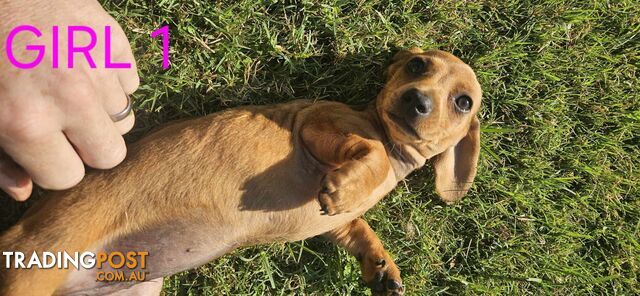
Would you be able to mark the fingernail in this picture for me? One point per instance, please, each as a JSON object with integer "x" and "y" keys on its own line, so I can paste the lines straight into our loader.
{"x": 22, "y": 182}
{"x": 20, "y": 195}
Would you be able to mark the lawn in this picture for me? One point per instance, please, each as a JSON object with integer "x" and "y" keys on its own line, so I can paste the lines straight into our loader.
{"x": 555, "y": 208}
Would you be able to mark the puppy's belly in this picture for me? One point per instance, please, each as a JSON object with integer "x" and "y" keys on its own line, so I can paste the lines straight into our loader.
{"x": 180, "y": 245}
{"x": 171, "y": 248}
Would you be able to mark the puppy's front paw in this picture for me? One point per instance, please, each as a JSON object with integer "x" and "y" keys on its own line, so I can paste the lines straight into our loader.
{"x": 382, "y": 275}
{"x": 337, "y": 194}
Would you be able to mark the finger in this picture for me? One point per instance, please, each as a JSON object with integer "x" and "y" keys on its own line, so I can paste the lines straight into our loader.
{"x": 125, "y": 125}
{"x": 128, "y": 77}
{"x": 13, "y": 179}
{"x": 47, "y": 157}
{"x": 115, "y": 101}
{"x": 95, "y": 136}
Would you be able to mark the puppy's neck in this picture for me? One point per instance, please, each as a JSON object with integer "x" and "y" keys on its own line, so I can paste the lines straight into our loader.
{"x": 404, "y": 158}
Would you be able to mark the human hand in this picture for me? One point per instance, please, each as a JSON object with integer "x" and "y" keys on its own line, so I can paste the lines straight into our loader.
{"x": 54, "y": 120}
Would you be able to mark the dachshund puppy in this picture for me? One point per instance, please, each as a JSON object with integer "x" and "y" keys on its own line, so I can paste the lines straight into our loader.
{"x": 198, "y": 189}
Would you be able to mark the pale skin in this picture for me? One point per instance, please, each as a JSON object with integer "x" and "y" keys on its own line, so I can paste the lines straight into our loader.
{"x": 54, "y": 121}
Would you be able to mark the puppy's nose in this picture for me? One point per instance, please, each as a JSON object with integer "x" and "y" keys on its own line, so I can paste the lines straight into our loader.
{"x": 416, "y": 103}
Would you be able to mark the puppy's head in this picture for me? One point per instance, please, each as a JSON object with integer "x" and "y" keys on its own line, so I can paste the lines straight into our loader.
{"x": 430, "y": 102}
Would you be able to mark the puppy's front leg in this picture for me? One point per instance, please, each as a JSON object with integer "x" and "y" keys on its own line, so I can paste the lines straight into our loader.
{"x": 358, "y": 166}
{"x": 378, "y": 269}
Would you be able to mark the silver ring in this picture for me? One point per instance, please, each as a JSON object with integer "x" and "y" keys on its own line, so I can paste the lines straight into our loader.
{"x": 124, "y": 113}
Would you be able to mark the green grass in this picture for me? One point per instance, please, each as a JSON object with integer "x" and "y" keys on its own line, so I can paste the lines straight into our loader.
{"x": 555, "y": 208}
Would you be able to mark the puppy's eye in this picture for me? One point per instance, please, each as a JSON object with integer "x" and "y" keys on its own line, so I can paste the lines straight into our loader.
{"x": 464, "y": 103}
{"x": 416, "y": 66}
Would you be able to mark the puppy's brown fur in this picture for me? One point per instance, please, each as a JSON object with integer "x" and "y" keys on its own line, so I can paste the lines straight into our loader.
{"x": 195, "y": 190}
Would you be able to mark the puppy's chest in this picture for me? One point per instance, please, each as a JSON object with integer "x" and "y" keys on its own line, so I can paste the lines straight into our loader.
{"x": 308, "y": 220}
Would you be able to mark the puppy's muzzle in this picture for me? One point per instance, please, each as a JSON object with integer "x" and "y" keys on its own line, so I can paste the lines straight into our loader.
{"x": 415, "y": 104}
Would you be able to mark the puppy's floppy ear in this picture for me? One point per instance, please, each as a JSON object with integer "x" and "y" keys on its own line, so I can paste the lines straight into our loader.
{"x": 455, "y": 168}
{"x": 398, "y": 58}
{"x": 406, "y": 53}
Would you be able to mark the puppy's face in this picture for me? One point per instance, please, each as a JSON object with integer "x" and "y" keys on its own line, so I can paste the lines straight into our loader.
{"x": 429, "y": 101}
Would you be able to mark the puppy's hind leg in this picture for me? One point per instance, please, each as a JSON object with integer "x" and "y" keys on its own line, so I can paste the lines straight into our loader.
{"x": 58, "y": 224}
{"x": 378, "y": 269}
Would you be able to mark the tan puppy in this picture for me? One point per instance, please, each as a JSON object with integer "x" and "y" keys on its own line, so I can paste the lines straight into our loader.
{"x": 195, "y": 190}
